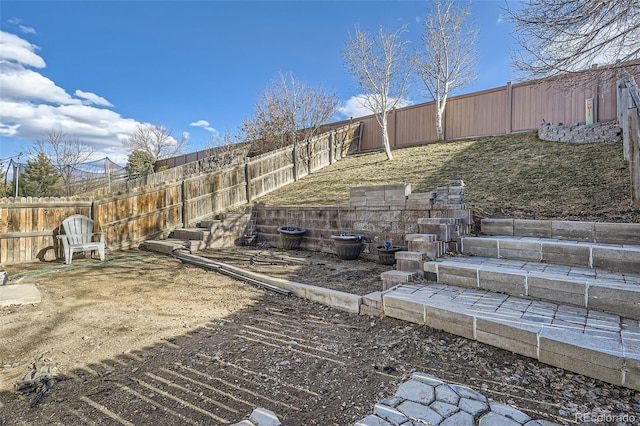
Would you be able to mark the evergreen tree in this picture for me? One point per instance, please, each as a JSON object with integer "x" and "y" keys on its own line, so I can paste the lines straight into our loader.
{"x": 3, "y": 187}
{"x": 140, "y": 163}
{"x": 40, "y": 179}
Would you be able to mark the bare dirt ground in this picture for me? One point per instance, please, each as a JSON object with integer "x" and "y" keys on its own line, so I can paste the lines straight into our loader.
{"x": 143, "y": 339}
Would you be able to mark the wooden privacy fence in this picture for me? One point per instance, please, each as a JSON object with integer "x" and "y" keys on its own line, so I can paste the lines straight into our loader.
{"x": 28, "y": 226}
{"x": 499, "y": 111}
{"x": 128, "y": 219}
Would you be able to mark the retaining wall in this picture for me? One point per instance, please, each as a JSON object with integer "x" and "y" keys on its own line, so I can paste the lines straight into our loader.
{"x": 379, "y": 213}
{"x": 580, "y": 133}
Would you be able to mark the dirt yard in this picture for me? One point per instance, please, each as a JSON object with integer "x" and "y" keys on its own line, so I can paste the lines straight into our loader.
{"x": 143, "y": 339}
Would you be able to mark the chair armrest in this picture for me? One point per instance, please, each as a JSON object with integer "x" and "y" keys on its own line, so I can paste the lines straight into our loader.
{"x": 66, "y": 237}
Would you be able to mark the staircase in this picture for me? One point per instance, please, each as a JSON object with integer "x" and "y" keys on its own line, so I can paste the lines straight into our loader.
{"x": 222, "y": 231}
{"x": 565, "y": 293}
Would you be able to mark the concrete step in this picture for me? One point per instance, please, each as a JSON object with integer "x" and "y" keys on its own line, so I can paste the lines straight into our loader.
{"x": 570, "y": 230}
{"x": 209, "y": 224}
{"x": 596, "y": 344}
{"x": 191, "y": 234}
{"x": 393, "y": 278}
{"x": 164, "y": 246}
{"x": 427, "y": 244}
{"x": 446, "y": 229}
{"x": 614, "y": 257}
{"x": 591, "y": 288}
{"x": 410, "y": 261}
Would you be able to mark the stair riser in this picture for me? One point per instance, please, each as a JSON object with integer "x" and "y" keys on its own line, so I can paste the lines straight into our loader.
{"x": 393, "y": 278}
{"x": 190, "y": 234}
{"x": 444, "y": 232}
{"x": 432, "y": 250}
{"x": 612, "y": 258}
{"x": 569, "y": 291}
{"x": 601, "y": 232}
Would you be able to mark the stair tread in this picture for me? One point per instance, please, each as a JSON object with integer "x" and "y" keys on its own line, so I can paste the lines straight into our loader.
{"x": 520, "y": 312}
{"x": 633, "y": 247}
{"x": 551, "y": 269}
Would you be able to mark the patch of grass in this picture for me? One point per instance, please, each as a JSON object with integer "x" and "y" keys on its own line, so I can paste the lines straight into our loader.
{"x": 517, "y": 176}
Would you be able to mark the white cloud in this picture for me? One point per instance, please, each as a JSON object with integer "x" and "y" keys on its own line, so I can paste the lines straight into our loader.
{"x": 205, "y": 125}
{"x": 8, "y": 129}
{"x": 15, "y": 49}
{"x": 21, "y": 83}
{"x": 92, "y": 98}
{"x": 500, "y": 19}
{"x": 31, "y": 104}
{"x": 354, "y": 106}
{"x": 27, "y": 30}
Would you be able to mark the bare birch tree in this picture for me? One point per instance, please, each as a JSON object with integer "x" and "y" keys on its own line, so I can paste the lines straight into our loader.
{"x": 382, "y": 68}
{"x": 156, "y": 140}
{"x": 562, "y": 36}
{"x": 65, "y": 153}
{"x": 448, "y": 59}
{"x": 289, "y": 111}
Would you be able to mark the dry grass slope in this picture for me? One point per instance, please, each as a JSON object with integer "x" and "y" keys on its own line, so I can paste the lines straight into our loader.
{"x": 516, "y": 176}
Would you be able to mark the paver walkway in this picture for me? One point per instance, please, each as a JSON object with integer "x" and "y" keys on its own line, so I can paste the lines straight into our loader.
{"x": 425, "y": 399}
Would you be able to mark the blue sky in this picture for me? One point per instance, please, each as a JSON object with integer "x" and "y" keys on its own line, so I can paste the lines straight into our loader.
{"x": 95, "y": 69}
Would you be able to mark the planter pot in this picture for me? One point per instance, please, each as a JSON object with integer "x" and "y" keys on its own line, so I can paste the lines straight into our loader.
{"x": 250, "y": 239}
{"x": 291, "y": 237}
{"x": 387, "y": 254}
{"x": 348, "y": 246}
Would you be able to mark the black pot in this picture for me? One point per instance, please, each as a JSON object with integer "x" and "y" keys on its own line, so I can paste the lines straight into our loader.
{"x": 348, "y": 246}
{"x": 250, "y": 239}
{"x": 387, "y": 256}
{"x": 291, "y": 237}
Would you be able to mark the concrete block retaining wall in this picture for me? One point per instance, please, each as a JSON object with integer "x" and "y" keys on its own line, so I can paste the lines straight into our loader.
{"x": 380, "y": 213}
{"x": 580, "y": 133}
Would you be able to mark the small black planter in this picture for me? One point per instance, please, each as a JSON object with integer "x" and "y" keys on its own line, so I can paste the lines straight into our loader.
{"x": 291, "y": 237}
{"x": 348, "y": 246}
{"x": 387, "y": 254}
{"x": 250, "y": 239}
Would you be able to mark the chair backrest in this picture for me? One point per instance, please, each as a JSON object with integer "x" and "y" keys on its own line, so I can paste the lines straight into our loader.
{"x": 78, "y": 228}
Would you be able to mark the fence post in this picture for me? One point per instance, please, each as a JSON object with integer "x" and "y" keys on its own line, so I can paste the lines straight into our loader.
{"x": 392, "y": 143}
{"x": 509, "y": 111}
{"x": 185, "y": 205}
{"x": 247, "y": 179}
{"x": 294, "y": 157}
{"x": 633, "y": 128}
{"x": 332, "y": 138}
{"x": 623, "y": 105}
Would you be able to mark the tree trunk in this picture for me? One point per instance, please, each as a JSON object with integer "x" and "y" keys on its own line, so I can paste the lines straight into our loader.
{"x": 440, "y": 103}
{"x": 385, "y": 138}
